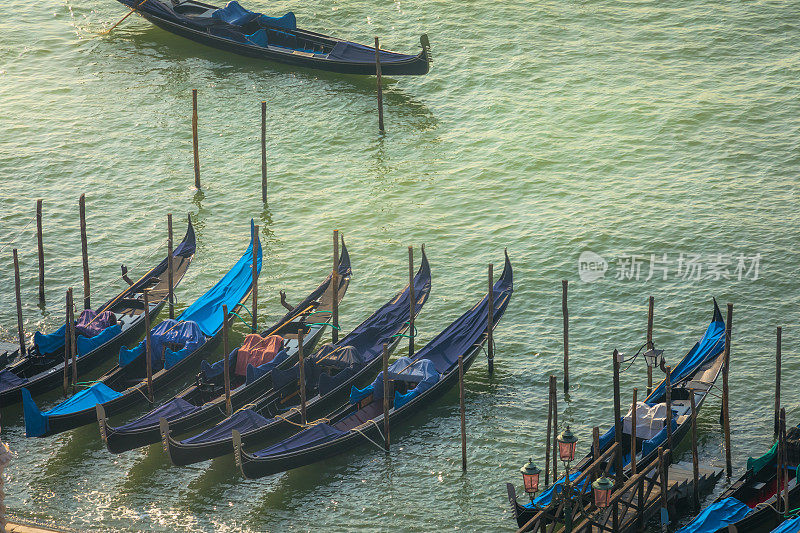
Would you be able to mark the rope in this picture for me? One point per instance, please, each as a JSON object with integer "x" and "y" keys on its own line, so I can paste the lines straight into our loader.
{"x": 322, "y": 324}
{"x": 246, "y": 309}
{"x": 12, "y": 241}
{"x": 371, "y": 420}
{"x": 633, "y": 359}
{"x": 243, "y": 320}
{"x": 413, "y": 334}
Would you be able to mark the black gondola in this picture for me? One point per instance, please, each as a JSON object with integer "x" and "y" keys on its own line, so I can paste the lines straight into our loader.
{"x": 235, "y": 29}
{"x": 177, "y": 344}
{"x": 696, "y": 373}
{"x": 356, "y": 357}
{"x": 204, "y": 402}
{"x": 42, "y": 368}
{"x": 414, "y": 382}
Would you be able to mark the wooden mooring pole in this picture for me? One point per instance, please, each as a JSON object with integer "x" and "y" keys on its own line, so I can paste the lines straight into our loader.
{"x": 380, "y": 87}
{"x": 617, "y": 423}
{"x": 565, "y": 314}
{"x": 411, "y": 301}
{"x": 85, "y": 253}
{"x": 662, "y": 470}
{"x": 490, "y": 326}
{"x": 148, "y": 346}
{"x": 786, "y": 461}
{"x": 194, "y": 141}
{"x": 463, "y": 413}
{"x": 170, "y": 274}
{"x": 40, "y": 246}
{"x": 335, "y": 285}
{"x": 650, "y": 345}
{"x": 254, "y": 282}
{"x": 668, "y": 391}
{"x": 301, "y": 356}
{"x": 264, "y": 152}
{"x": 386, "y": 438}
{"x": 73, "y": 344}
{"x": 555, "y": 432}
{"x": 778, "y": 381}
{"x": 726, "y": 421}
{"x": 18, "y": 294}
{"x": 695, "y": 459}
{"x": 549, "y": 431}
{"x": 633, "y": 432}
{"x": 226, "y": 365}
{"x": 779, "y": 460}
{"x": 67, "y": 307}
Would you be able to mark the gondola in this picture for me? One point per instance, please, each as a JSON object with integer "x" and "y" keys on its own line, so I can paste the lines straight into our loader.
{"x": 235, "y": 29}
{"x": 749, "y": 505}
{"x": 353, "y": 359}
{"x": 100, "y": 332}
{"x": 204, "y": 401}
{"x": 415, "y": 382}
{"x": 696, "y": 373}
{"x": 176, "y": 346}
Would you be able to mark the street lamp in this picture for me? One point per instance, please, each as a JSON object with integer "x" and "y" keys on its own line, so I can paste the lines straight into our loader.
{"x": 530, "y": 477}
{"x": 654, "y": 358}
{"x": 602, "y": 488}
{"x": 567, "y": 443}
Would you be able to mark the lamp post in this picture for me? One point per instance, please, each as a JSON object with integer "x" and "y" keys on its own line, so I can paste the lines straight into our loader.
{"x": 654, "y": 358}
{"x": 601, "y": 489}
{"x": 567, "y": 443}
{"x": 530, "y": 477}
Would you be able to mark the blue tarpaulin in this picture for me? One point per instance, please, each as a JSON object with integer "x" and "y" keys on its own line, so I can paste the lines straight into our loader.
{"x": 50, "y": 342}
{"x": 546, "y": 497}
{"x": 420, "y": 371}
{"x": 86, "y": 345}
{"x": 258, "y": 38}
{"x": 164, "y": 336}
{"x": 171, "y": 410}
{"x": 717, "y": 516}
{"x": 9, "y": 380}
{"x": 214, "y": 371}
{"x": 36, "y": 422}
{"x": 244, "y": 420}
{"x": 234, "y": 13}
{"x": 311, "y": 436}
{"x": 255, "y": 372}
{"x": 657, "y": 440}
{"x": 790, "y": 526}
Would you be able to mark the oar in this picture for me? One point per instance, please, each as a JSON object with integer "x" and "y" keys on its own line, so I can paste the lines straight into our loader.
{"x": 133, "y": 10}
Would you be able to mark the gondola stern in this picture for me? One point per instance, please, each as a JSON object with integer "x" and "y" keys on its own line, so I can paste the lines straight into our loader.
{"x": 426, "y": 51}
{"x": 345, "y": 270}
{"x": 163, "y": 427}
{"x": 237, "y": 451}
{"x": 717, "y": 313}
{"x": 36, "y": 423}
{"x": 103, "y": 424}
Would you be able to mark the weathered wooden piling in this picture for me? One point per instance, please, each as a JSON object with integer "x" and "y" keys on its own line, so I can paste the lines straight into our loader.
{"x": 67, "y": 307}
{"x": 254, "y": 269}
{"x": 335, "y": 285}
{"x": 85, "y": 253}
{"x": 617, "y": 422}
{"x": 726, "y": 421}
{"x": 148, "y": 345}
{"x": 301, "y": 356}
{"x": 779, "y": 460}
{"x": 463, "y": 413}
{"x": 170, "y": 275}
{"x": 668, "y": 392}
{"x": 778, "y": 381}
{"x": 226, "y": 365}
{"x": 490, "y": 325}
{"x": 664, "y": 484}
{"x": 40, "y": 246}
{"x": 565, "y": 315}
{"x": 633, "y": 432}
{"x": 549, "y": 432}
{"x": 695, "y": 459}
{"x": 194, "y": 141}
{"x": 411, "y": 301}
{"x": 386, "y": 437}
{"x": 595, "y": 448}
{"x": 650, "y": 346}
{"x": 264, "y": 152}
{"x": 380, "y": 87}
{"x": 785, "y": 460}
{"x": 73, "y": 344}
{"x": 555, "y": 431}
{"x": 18, "y": 294}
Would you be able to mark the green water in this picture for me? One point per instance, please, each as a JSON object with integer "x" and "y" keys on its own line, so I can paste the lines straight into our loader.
{"x": 550, "y": 128}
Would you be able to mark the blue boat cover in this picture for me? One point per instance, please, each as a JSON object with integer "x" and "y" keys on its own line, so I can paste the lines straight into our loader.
{"x": 790, "y": 526}
{"x": 354, "y": 52}
{"x": 757, "y": 463}
{"x": 255, "y": 372}
{"x": 546, "y": 497}
{"x": 9, "y": 380}
{"x": 312, "y": 436}
{"x": 657, "y": 440}
{"x": 258, "y": 38}
{"x": 717, "y": 516}
{"x": 420, "y": 371}
{"x": 235, "y": 14}
{"x": 327, "y": 383}
{"x": 166, "y": 334}
{"x": 36, "y": 422}
{"x": 50, "y": 342}
{"x": 337, "y": 357}
{"x": 91, "y": 323}
{"x": 175, "y": 408}
{"x": 230, "y": 290}
{"x": 243, "y": 420}
{"x": 86, "y": 345}
{"x": 213, "y": 371}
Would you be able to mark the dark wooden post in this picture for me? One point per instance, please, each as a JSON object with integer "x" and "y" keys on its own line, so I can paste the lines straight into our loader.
{"x": 668, "y": 391}
{"x": 411, "y": 301}
{"x": 662, "y": 471}
{"x": 695, "y": 460}
{"x": 264, "y": 152}
{"x": 380, "y": 88}
{"x": 170, "y": 274}
{"x": 617, "y": 423}
{"x": 633, "y": 432}
{"x": 302, "y": 359}
{"x": 85, "y": 253}
{"x": 335, "y": 284}
{"x": 463, "y": 413}
{"x": 226, "y": 365}
{"x": 255, "y": 279}
{"x": 18, "y": 294}
{"x": 73, "y": 345}
{"x": 778, "y": 382}
{"x": 387, "y": 440}
{"x": 596, "y": 453}
{"x": 779, "y": 472}
{"x": 726, "y": 422}
{"x": 194, "y": 141}
{"x": 40, "y": 243}
{"x": 549, "y": 432}
{"x": 490, "y": 327}
{"x": 565, "y": 313}
{"x": 785, "y": 460}
{"x": 650, "y": 346}
{"x": 67, "y": 307}
{"x": 555, "y": 432}
{"x": 148, "y": 345}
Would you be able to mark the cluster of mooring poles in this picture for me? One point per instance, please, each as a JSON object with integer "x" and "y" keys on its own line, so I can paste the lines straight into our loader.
{"x": 606, "y": 491}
